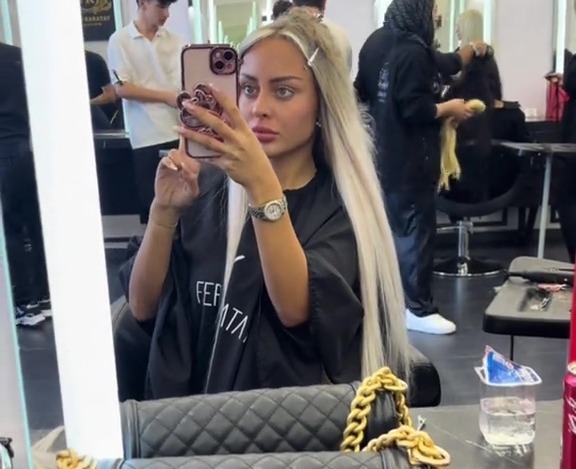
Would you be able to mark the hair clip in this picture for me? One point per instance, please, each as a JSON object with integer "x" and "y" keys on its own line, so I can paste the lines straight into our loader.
{"x": 312, "y": 57}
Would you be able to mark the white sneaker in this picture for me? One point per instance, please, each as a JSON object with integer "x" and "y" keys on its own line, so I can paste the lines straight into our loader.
{"x": 433, "y": 324}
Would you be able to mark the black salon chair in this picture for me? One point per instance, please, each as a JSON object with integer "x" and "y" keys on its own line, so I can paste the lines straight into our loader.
{"x": 132, "y": 346}
{"x": 503, "y": 182}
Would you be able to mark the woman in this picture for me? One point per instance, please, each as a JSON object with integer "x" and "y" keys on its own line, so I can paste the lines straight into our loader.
{"x": 484, "y": 176}
{"x": 279, "y": 298}
{"x": 474, "y": 137}
{"x": 566, "y": 167}
{"x": 403, "y": 92}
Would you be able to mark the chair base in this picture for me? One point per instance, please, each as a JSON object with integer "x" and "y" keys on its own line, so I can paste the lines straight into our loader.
{"x": 466, "y": 267}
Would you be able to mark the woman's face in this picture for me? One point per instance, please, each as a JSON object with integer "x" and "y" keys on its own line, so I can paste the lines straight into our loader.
{"x": 278, "y": 97}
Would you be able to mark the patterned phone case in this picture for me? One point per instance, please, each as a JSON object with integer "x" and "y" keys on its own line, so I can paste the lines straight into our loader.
{"x": 203, "y": 64}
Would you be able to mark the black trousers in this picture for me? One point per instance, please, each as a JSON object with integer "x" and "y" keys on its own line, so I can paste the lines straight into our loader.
{"x": 565, "y": 192}
{"x": 145, "y": 162}
{"x": 412, "y": 218}
{"x": 22, "y": 223}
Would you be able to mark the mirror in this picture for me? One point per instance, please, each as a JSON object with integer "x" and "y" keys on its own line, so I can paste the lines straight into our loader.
{"x": 564, "y": 33}
{"x": 449, "y": 13}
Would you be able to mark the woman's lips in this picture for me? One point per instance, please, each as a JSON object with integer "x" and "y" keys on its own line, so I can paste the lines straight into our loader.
{"x": 264, "y": 135}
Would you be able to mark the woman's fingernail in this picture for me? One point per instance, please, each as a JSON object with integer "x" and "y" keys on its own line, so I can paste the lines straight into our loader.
{"x": 214, "y": 87}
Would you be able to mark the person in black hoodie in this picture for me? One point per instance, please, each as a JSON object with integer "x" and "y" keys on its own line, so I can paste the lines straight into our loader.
{"x": 403, "y": 92}
{"x": 566, "y": 167}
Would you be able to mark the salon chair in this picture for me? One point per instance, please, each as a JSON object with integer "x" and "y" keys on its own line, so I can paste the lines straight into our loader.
{"x": 132, "y": 344}
{"x": 503, "y": 182}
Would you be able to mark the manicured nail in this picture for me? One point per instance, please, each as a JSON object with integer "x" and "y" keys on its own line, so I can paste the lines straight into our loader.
{"x": 214, "y": 87}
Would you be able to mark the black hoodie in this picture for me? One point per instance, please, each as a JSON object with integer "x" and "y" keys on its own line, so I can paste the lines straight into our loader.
{"x": 13, "y": 105}
{"x": 401, "y": 90}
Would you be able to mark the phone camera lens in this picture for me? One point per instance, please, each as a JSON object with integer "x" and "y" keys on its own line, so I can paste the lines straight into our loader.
{"x": 219, "y": 65}
{"x": 228, "y": 55}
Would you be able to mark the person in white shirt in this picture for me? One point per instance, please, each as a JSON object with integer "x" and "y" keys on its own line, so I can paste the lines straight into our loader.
{"x": 318, "y": 7}
{"x": 144, "y": 62}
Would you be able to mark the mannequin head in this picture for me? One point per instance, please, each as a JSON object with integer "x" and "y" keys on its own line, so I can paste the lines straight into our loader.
{"x": 470, "y": 27}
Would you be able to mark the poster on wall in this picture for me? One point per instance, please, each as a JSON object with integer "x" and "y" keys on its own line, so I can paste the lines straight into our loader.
{"x": 97, "y": 19}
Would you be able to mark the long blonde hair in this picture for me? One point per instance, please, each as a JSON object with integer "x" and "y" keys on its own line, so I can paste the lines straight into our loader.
{"x": 349, "y": 153}
{"x": 471, "y": 26}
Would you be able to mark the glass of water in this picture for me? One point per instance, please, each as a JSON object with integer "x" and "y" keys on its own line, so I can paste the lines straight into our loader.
{"x": 508, "y": 411}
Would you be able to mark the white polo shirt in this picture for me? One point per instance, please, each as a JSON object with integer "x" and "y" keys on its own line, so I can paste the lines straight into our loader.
{"x": 151, "y": 64}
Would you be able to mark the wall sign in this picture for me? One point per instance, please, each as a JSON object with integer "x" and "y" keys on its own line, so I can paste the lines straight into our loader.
{"x": 97, "y": 19}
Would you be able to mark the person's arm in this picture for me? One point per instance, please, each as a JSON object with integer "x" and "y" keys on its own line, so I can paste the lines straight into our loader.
{"x": 412, "y": 91}
{"x": 448, "y": 63}
{"x": 124, "y": 82}
{"x": 107, "y": 96}
{"x": 101, "y": 78}
{"x": 282, "y": 258}
{"x": 474, "y": 49}
{"x": 151, "y": 264}
{"x": 412, "y": 88}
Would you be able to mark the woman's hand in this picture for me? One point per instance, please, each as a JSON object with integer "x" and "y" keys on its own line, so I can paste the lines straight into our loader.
{"x": 176, "y": 184}
{"x": 241, "y": 154}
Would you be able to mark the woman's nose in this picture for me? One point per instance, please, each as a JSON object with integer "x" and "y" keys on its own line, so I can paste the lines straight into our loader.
{"x": 262, "y": 105}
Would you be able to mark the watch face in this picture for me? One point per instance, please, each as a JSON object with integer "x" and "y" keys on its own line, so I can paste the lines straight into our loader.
{"x": 273, "y": 211}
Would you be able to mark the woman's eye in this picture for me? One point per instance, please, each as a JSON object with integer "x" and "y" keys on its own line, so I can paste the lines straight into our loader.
{"x": 248, "y": 90}
{"x": 284, "y": 93}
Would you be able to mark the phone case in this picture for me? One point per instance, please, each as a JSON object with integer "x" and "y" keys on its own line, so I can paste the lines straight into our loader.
{"x": 203, "y": 64}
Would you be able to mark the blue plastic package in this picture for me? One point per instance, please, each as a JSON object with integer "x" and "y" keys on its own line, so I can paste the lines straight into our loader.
{"x": 499, "y": 370}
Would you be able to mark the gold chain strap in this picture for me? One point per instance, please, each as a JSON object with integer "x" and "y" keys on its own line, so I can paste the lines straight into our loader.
{"x": 70, "y": 460}
{"x": 419, "y": 446}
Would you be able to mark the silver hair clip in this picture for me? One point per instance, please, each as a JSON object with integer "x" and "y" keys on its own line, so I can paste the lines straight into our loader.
{"x": 312, "y": 57}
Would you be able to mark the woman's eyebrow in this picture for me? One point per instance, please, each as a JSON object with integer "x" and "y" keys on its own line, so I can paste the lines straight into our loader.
{"x": 272, "y": 80}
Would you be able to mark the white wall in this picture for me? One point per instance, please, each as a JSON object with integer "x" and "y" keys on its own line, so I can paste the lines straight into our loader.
{"x": 359, "y": 22}
{"x": 523, "y": 40}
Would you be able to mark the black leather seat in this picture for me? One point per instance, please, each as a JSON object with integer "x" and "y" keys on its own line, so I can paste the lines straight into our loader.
{"x": 498, "y": 193}
{"x": 132, "y": 345}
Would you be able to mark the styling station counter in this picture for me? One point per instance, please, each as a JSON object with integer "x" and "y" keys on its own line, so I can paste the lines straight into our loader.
{"x": 116, "y": 181}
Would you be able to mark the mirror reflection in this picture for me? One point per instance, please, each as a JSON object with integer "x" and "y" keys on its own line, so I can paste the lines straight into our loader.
{"x": 504, "y": 205}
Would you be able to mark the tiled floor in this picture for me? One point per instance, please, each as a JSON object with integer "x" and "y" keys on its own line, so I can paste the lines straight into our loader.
{"x": 461, "y": 300}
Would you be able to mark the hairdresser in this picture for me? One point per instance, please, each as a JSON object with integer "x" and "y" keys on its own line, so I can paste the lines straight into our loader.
{"x": 403, "y": 93}
{"x": 566, "y": 189}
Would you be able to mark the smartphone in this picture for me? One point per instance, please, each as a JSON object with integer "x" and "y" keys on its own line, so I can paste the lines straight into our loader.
{"x": 203, "y": 64}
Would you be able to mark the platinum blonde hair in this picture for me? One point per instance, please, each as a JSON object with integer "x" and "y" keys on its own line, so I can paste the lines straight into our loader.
{"x": 471, "y": 26}
{"x": 349, "y": 153}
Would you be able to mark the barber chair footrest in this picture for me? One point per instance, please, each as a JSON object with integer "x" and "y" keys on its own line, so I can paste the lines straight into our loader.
{"x": 467, "y": 267}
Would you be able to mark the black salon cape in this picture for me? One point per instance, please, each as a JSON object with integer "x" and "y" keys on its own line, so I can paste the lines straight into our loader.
{"x": 328, "y": 346}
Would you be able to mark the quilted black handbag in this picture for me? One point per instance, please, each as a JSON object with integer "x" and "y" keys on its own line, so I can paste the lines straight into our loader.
{"x": 306, "y": 419}
{"x": 312, "y": 427}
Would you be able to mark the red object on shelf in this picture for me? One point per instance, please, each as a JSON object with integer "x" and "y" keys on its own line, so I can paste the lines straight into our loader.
{"x": 568, "y": 458}
{"x": 572, "y": 343}
{"x": 556, "y": 99}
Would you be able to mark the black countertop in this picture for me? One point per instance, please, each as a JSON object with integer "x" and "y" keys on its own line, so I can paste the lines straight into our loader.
{"x": 117, "y": 139}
